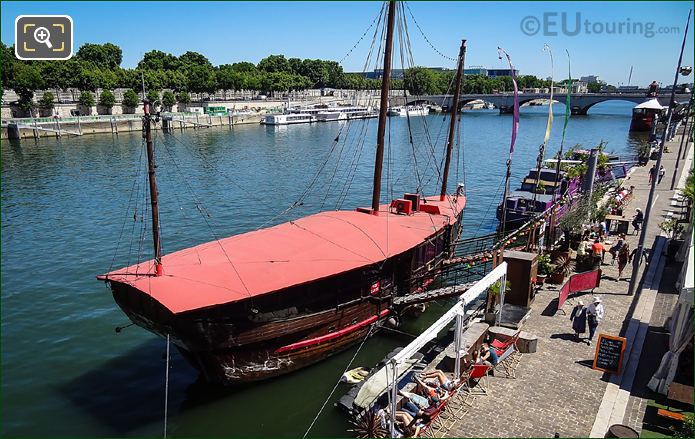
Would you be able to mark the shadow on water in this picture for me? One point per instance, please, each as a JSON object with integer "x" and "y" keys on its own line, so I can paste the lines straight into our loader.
{"x": 127, "y": 392}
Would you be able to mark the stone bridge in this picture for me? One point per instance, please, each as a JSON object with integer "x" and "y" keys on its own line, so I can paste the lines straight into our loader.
{"x": 581, "y": 102}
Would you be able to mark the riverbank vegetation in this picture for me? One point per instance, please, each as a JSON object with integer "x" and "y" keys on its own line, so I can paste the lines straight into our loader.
{"x": 98, "y": 67}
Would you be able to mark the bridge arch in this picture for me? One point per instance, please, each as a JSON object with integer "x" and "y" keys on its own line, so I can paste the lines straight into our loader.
{"x": 583, "y": 110}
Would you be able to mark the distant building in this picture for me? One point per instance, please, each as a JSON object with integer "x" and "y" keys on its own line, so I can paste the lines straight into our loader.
{"x": 590, "y": 79}
{"x": 475, "y": 71}
{"x": 494, "y": 73}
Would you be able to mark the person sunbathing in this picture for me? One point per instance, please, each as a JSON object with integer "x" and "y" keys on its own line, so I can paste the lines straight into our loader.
{"x": 444, "y": 381}
{"x": 431, "y": 389}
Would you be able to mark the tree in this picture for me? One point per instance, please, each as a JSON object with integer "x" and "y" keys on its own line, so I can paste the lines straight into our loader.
{"x": 153, "y": 97}
{"x": 47, "y": 101}
{"x": 107, "y": 55}
{"x": 168, "y": 100}
{"x": 27, "y": 79}
{"x": 593, "y": 87}
{"x": 158, "y": 60}
{"x": 86, "y": 99}
{"x": 421, "y": 81}
{"x": 107, "y": 99}
{"x": 130, "y": 99}
{"x": 274, "y": 64}
{"x": 194, "y": 59}
{"x": 201, "y": 79}
{"x": 184, "y": 98}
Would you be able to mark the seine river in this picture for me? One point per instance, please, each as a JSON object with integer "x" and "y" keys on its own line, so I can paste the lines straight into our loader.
{"x": 66, "y": 372}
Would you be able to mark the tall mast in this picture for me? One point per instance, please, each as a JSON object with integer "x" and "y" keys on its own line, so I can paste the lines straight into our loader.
{"x": 454, "y": 118}
{"x": 146, "y": 120}
{"x": 385, "y": 86}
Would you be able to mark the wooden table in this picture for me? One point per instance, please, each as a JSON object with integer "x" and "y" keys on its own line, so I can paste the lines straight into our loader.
{"x": 681, "y": 393}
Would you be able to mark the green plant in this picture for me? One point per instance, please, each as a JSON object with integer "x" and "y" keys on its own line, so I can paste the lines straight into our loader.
{"x": 168, "y": 99}
{"x": 184, "y": 98}
{"x": 495, "y": 288}
{"x": 540, "y": 187}
{"x": 562, "y": 266}
{"x": 86, "y": 99}
{"x": 545, "y": 267}
{"x": 153, "y": 97}
{"x": 46, "y": 101}
{"x": 686, "y": 430}
{"x": 107, "y": 99}
{"x": 130, "y": 99}
{"x": 689, "y": 190}
{"x": 672, "y": 227}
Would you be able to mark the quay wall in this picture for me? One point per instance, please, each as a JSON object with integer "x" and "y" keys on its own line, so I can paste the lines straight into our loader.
{"x": 114, "y": 125}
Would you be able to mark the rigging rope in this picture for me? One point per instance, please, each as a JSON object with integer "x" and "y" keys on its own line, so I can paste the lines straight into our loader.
{"x": 425, "y": 36}
{"x": 323, "y": 406}
{"x": 166, "y": 390}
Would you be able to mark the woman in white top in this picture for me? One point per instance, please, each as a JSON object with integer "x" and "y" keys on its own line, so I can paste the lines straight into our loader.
{"x": 594, "y": 314}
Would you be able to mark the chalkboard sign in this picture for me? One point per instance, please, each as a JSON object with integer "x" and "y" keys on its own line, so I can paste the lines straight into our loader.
{"x": 609, "y": 353}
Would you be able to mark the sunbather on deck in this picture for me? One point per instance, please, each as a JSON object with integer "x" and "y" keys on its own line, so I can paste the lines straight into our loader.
{"x": 431, "y": 389}
{"x": 444, "y": 381}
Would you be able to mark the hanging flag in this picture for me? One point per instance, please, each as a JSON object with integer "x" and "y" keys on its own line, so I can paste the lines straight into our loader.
{"x": 515, "y": 120}
{"x": 546, "y": 48}
{"x": 568, "y": 111}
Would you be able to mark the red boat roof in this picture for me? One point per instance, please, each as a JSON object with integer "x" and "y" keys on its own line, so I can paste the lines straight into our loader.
{"x": 292, "y": 253}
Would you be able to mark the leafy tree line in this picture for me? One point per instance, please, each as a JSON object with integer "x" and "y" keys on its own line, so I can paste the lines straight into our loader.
{"x": 98, "y": 67}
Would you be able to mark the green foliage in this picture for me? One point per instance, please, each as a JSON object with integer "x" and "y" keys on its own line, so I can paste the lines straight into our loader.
{"x": 153, "y": 97}
{"x": 421, "y": 81}
{"x": 593, "y": 87}
{"x": 86, "y": 99}
{"x": 544, "y": 265}
{"x": 183, "y": 98}
{"x": 274, "y": 63}
{"x": 689, "y": 190}
{"x": 686, "y": 430}
{"x": 46, "y": 101}
{"x": 107, "y": 99}
{"x": 495, "y": 288}
{"x": 168, "y": 99}
{"x": 562, "y": 266}
{"x": 130, "y": 99}
{"x": 672, "y": 227}
{"x": 201, "y": 79}
{"x": 108, "y": 56}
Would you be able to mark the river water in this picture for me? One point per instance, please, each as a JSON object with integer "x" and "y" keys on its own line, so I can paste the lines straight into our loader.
{"x": 66, "y": 217}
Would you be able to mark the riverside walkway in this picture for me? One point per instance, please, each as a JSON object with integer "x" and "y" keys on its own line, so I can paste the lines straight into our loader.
{"x": 556, "y": 390}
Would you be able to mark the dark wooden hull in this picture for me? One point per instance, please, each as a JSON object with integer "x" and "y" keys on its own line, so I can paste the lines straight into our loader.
{"x": 289, "y": 329}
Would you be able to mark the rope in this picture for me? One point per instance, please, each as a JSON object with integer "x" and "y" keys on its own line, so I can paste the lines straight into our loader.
{"x": 378, "y": 17}
{"x": 323, "y": 406}
{"x": 166, "y": 391}
{"x": 425, "y": 36}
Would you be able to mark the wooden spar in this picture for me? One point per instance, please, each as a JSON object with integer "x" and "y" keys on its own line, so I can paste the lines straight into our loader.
{"x": 385, "y": 86}
{"x": 146, "y": 120}
{"x": 454, "y": 118}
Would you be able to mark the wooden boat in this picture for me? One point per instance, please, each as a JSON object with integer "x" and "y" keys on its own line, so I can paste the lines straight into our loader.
{"x": 270, "y": 301}
{"x": 645, "y": 115}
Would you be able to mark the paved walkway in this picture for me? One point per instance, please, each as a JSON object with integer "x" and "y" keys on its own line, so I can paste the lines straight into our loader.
{"x": 556, "y": 390}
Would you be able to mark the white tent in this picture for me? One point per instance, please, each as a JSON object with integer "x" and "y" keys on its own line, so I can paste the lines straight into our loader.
{"x": 680, "y": 326}
{"x": 652, "y": 104}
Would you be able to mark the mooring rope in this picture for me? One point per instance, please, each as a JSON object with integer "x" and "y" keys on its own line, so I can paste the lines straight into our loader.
{"x": 166, "y": 391}
{"x": 323, "y": 406}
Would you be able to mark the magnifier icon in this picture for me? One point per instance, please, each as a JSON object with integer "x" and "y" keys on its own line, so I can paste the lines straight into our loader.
{"x": 42, "y": 36}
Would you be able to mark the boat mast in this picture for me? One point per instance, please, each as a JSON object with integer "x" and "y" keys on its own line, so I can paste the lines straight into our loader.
{"x": 146, "y": 121}
{"x": 454, "y": 118}
{"x": 385, "y": 86}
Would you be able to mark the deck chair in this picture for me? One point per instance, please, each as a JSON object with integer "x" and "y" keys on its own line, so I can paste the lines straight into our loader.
{"x": 501, "y": 347}
{"x": 477, "y": 382}
{"x": 506, "y": 362}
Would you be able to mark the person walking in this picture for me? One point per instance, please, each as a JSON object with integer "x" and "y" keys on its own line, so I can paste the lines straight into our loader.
{"x": 637, "y": 219}
{"x": 578, "y": 319}
{"x": 652, "y": 173}
{"x": 662, "y": 172}
{"x": 623, "y": 257}
{"x": 594, "y": 315}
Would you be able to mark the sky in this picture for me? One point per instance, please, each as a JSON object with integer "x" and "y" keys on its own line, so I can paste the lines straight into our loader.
{"x": 611, "y": 37}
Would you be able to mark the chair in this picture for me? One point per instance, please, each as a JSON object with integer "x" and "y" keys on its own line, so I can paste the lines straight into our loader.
{"x": 506, "y": 362}
{"x": 477, "y": 382}
{"x": 501, "y": 347}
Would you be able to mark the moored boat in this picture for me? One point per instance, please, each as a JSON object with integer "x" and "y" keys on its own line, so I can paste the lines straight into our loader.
{"x": 288, "y": 119}
{"x": 645, "y": 115}
{"x": 273, "y": 300}
{"x": 409, "y": 110}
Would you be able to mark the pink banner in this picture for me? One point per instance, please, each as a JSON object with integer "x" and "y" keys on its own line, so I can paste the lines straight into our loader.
{"x": 578, "y": 282}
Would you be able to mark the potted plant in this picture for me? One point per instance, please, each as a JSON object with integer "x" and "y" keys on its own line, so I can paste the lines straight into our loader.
{"x": 544, "y": 269}
{"x": 493, "y": 301}
{"x": 674, "y": 230}
{"x": 561, "y": 270}
{"x": 540, "y": 187}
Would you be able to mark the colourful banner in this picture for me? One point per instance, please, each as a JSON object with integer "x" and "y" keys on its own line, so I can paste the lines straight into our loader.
{"x": 550, "y": 104}
{"x": 515, "y": 120}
